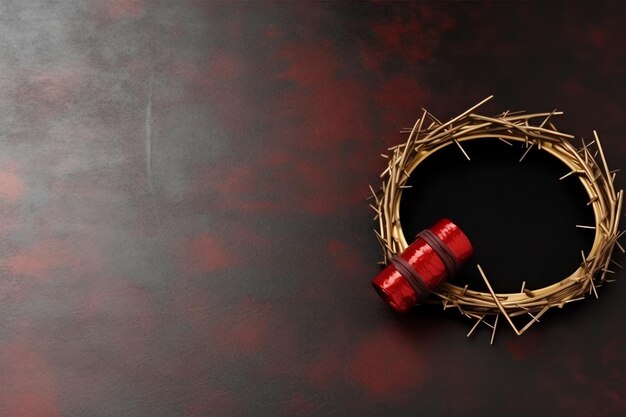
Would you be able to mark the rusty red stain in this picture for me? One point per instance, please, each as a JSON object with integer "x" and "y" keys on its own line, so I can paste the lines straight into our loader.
{"x": 205, "y": 253}
{"x": 27, "y": 387}
{"x": 117, "y": 9}
{"x": 387, "y": 367}
{"x": 12, "y": 187}
{"x": 244, "y": 328}
{"x": 47, "y": 256}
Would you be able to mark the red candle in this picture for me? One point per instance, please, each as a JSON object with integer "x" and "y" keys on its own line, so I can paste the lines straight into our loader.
{"x": 434, "y": 257}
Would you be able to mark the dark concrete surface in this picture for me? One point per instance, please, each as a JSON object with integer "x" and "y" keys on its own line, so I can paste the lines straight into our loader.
{"x": 183, "y": 225}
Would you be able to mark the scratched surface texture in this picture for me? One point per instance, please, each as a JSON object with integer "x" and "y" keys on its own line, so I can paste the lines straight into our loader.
{"x": 183, "y": 224}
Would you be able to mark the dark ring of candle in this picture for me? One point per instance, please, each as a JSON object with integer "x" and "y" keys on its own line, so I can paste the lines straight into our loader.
{"x": 445, "y": 254}
{"x": 412, "y": 276}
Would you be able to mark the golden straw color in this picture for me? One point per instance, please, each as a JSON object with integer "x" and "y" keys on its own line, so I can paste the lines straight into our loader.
{"x": 535, "y": 131}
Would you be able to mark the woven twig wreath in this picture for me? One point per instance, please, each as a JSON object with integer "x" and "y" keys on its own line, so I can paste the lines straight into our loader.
{"x": 535, "y": 131}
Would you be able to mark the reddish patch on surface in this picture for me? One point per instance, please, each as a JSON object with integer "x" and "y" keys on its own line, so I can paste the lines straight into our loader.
{"x": 46, "y": 257}
{"x": 216, "y": 402}
{"x": 524, "y": 348}
{"x": 205, "y": 253}
{"x": 411, "y": 37}
{"x": 574, "y": 89}
{"x": 225, "y": 66}
{"x": 324, "y": 130}
{"x": 276, "y": 158}
{"x": 312, "y": 186}
{"x": 244, "y": 328}
{"x": 11, "y": 186}
{"x": 223, "y": 82}
{"x": 397, "y": 36}
{"x": 282, "y": 355}
{"x": 598, "y": 37}
{"x": 113, "y": 294}
{"x": 194, "y": 307}
{"x": 239, "y": 187}
{"x": 335, "y": 113}
{"x": 27, "y": 386}
{"x": 317, "y": 130}
{"x": 611, "y": 354}
{"x": 387, "y": 366}
{"x": 53, "y": 86}
{"x": 330, "y": 107}
{"x": 401, "y": 99}
{"x": 346, "y": 259}
{"x": 125, "y": 313}
{"x": 314, "y": 178}
{"x": 312, "y": 66}
{"x": 271, "y": 32}
{"x": 298, "y": 405}
{"x": 325, "y": 367}
{"x": 116, "y": 9}
{"x": 255, "y": 330}
{"x": 578, "y": 390}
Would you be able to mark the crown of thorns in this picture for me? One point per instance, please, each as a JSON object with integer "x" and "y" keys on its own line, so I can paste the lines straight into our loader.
{"x": 534, "y": 131}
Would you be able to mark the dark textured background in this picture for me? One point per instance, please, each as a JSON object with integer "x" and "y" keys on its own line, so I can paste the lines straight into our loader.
{"x": 183, "y": 224}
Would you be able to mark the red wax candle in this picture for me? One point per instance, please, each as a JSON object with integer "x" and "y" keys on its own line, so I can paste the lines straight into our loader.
{"x": 430, "y": 260}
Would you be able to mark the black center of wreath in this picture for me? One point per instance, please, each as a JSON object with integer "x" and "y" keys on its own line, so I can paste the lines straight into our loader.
{"x": 520, "y": 218}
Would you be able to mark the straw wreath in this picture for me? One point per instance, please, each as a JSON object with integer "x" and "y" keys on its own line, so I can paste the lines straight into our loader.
{"x": 535, "y": 131}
